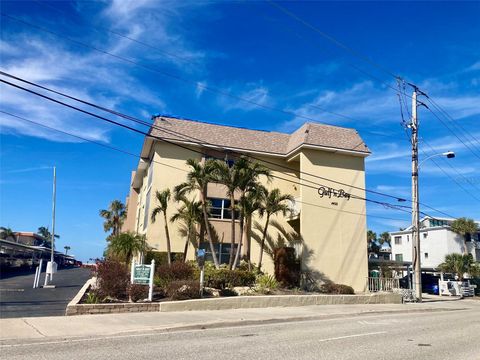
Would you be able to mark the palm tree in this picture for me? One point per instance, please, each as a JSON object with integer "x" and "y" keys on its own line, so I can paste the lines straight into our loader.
{"x": 458, "y": 264}
{"x": 197, "y": 180}
{"x": 250, "y": 193}
{"x": 272, "y": 204}
{"x": 66, "y": 249}
{"x": 465, "y": 227}
{"x": 250, "y": 202}
{"x": 114, "y": 217}
{"x": 6, "y": 233}
{"x": 190, "y": 214}
{"x": 47, "y": 235}
{"x": 127, "y": 244}
{"x": 384, "y": 238}
{"x": 163, "y": 198}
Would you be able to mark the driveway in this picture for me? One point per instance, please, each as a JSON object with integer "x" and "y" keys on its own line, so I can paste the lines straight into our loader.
{"x": 19, "y": 299}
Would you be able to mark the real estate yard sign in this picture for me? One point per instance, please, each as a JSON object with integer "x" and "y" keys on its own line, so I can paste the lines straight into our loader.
{"x": 143, "y": 274}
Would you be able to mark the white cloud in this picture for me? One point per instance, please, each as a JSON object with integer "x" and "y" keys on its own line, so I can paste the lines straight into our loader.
{"x": 256, "y": 94}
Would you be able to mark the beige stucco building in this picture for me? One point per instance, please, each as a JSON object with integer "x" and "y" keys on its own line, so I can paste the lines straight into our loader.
{"x": 321, "y": 166}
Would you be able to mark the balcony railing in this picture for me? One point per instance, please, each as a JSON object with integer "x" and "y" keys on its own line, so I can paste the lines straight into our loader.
{"x": 376, "y": 284}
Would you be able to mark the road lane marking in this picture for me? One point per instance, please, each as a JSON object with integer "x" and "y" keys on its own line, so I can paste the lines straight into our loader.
{"x": 352, "y": 336}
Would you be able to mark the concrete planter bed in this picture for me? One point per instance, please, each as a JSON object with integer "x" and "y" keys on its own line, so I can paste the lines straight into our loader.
{"x": 223, "y": 303}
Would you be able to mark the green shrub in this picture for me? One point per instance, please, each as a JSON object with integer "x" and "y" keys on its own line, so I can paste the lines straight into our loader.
{"x": 224, "y": 278}
{"x": 161, "y": 258}
{"x": 176, "y": 271}
{"x": 183, "y": 289}
{"x": 137, "y": 292}
{"x": 332, "y": 288}
{"x": 113, "y": 279}
{"x": 265, "y": 284}
{"x": 92, "y": 298}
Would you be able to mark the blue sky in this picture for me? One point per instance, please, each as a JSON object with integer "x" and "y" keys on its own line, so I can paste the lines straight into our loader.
{"x": 252, "y": 50}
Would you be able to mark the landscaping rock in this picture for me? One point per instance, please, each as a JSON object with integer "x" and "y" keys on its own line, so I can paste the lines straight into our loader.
{"x": 212, "y": 291}
{"x": 243, "y": 290}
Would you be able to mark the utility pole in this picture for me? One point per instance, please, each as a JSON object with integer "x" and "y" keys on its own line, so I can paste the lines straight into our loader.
{"x": 49, "y": 274}
{"x": 416, "y": 260}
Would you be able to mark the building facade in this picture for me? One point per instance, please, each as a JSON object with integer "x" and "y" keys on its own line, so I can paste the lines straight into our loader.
{"x": 436, "y": 241}
{"x": 321, "y": 166}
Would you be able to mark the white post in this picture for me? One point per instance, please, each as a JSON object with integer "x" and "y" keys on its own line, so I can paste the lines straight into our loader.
{"x": 35, "y": 278}
{"x": 202, "y": 277}
{"x": 150, "y": 283}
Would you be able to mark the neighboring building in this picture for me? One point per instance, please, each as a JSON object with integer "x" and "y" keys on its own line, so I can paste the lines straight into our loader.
{"x": 436, "y": 240}
{"x": 385, "y": 251}
{"x": 30, "y": 238}
{"x": 331, "y": 224}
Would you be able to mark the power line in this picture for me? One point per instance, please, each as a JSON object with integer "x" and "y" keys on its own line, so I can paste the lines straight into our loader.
{"x": 102, "y": 29}
{"x": 190, "y": 138}
{"x": 200, "y": 143}
{"x": 366, "y": 59}
{"x": 397, "y": 207}
{"x": 447, "y": 174}
{"x": 332, "y": 39}
{"x": 164, "y": 164}
{"x": 188, "y": 81}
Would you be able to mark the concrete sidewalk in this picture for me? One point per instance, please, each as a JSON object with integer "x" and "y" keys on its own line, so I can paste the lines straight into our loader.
{"x": 34, "y": 329}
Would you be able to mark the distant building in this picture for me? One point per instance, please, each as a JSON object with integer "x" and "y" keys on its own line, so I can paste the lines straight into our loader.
{"x": 436, "y": 241}
{"x": 30, "y": 238}
{"x": 385, "y": 251}
{"x": 331, "y": 224}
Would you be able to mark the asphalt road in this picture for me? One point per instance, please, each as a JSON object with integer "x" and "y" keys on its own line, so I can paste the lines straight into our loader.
{"x": 426, "y": 335}
{"x": 19, "y": 299}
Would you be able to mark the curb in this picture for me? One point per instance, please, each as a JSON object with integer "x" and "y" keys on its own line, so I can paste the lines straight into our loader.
{"x": 229, "y": 303}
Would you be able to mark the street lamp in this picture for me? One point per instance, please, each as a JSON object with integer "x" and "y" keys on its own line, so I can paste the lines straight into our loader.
{"x": 416, "y": 259}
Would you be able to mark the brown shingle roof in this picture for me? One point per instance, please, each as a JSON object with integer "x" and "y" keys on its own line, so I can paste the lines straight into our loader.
{"x": 332, "y": 137}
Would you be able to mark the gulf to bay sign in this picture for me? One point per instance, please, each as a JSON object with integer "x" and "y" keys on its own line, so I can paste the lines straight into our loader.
{"x": 141, "y": 274}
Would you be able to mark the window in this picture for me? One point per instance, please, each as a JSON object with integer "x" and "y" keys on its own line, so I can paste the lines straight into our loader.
{"x": 220, "y": 209}
{"x": 399, "y": 257}
{"x": 426, "y": 255}
{"x": 435, "y": 222}
{"x": 222, "y": 251}
{"x": 147, "y": 209}
{"x": 398, "y": 240}
{"x": 408, "y": 238}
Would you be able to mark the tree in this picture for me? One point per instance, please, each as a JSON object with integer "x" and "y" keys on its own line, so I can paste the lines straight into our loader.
{"x": 273, "y": 202}
{"x": 114, "y": 217}
{"x": 251, "y": 192}
{"x": 371, "y": 236}
{"x": 66, "y": 249}
{"x": 384, "y": 238}
{"x": 250, "y": 202}
{"x": 163, "y": 197}
{"x": 241, "y": 176}
{"x": 465, "y": 227}
{"x": 127, "y": 244}
{"x": 47, "y": 235}
{"x": 190, "y": 214}
{"x": 459, "y": 264}
{"x": 6, "y": 233}
{"x": 197, "y": 180}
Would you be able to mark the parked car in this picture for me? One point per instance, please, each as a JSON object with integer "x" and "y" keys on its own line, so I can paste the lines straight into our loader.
{"x": 429, "y": 283}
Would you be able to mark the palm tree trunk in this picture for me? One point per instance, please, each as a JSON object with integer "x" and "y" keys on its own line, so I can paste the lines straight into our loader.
{"x": 167, "y": 235}
{"x": 232, "y": 222}
{"x": 239, "y": 249}
{"x": 264, "y": 235}
{"x": 465, "y": 249}
{"x": 186, "y": 245}
{"x": 209, "y": 233}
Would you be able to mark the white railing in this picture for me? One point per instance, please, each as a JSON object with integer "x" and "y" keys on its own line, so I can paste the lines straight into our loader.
{"x": 382, "y": 284}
